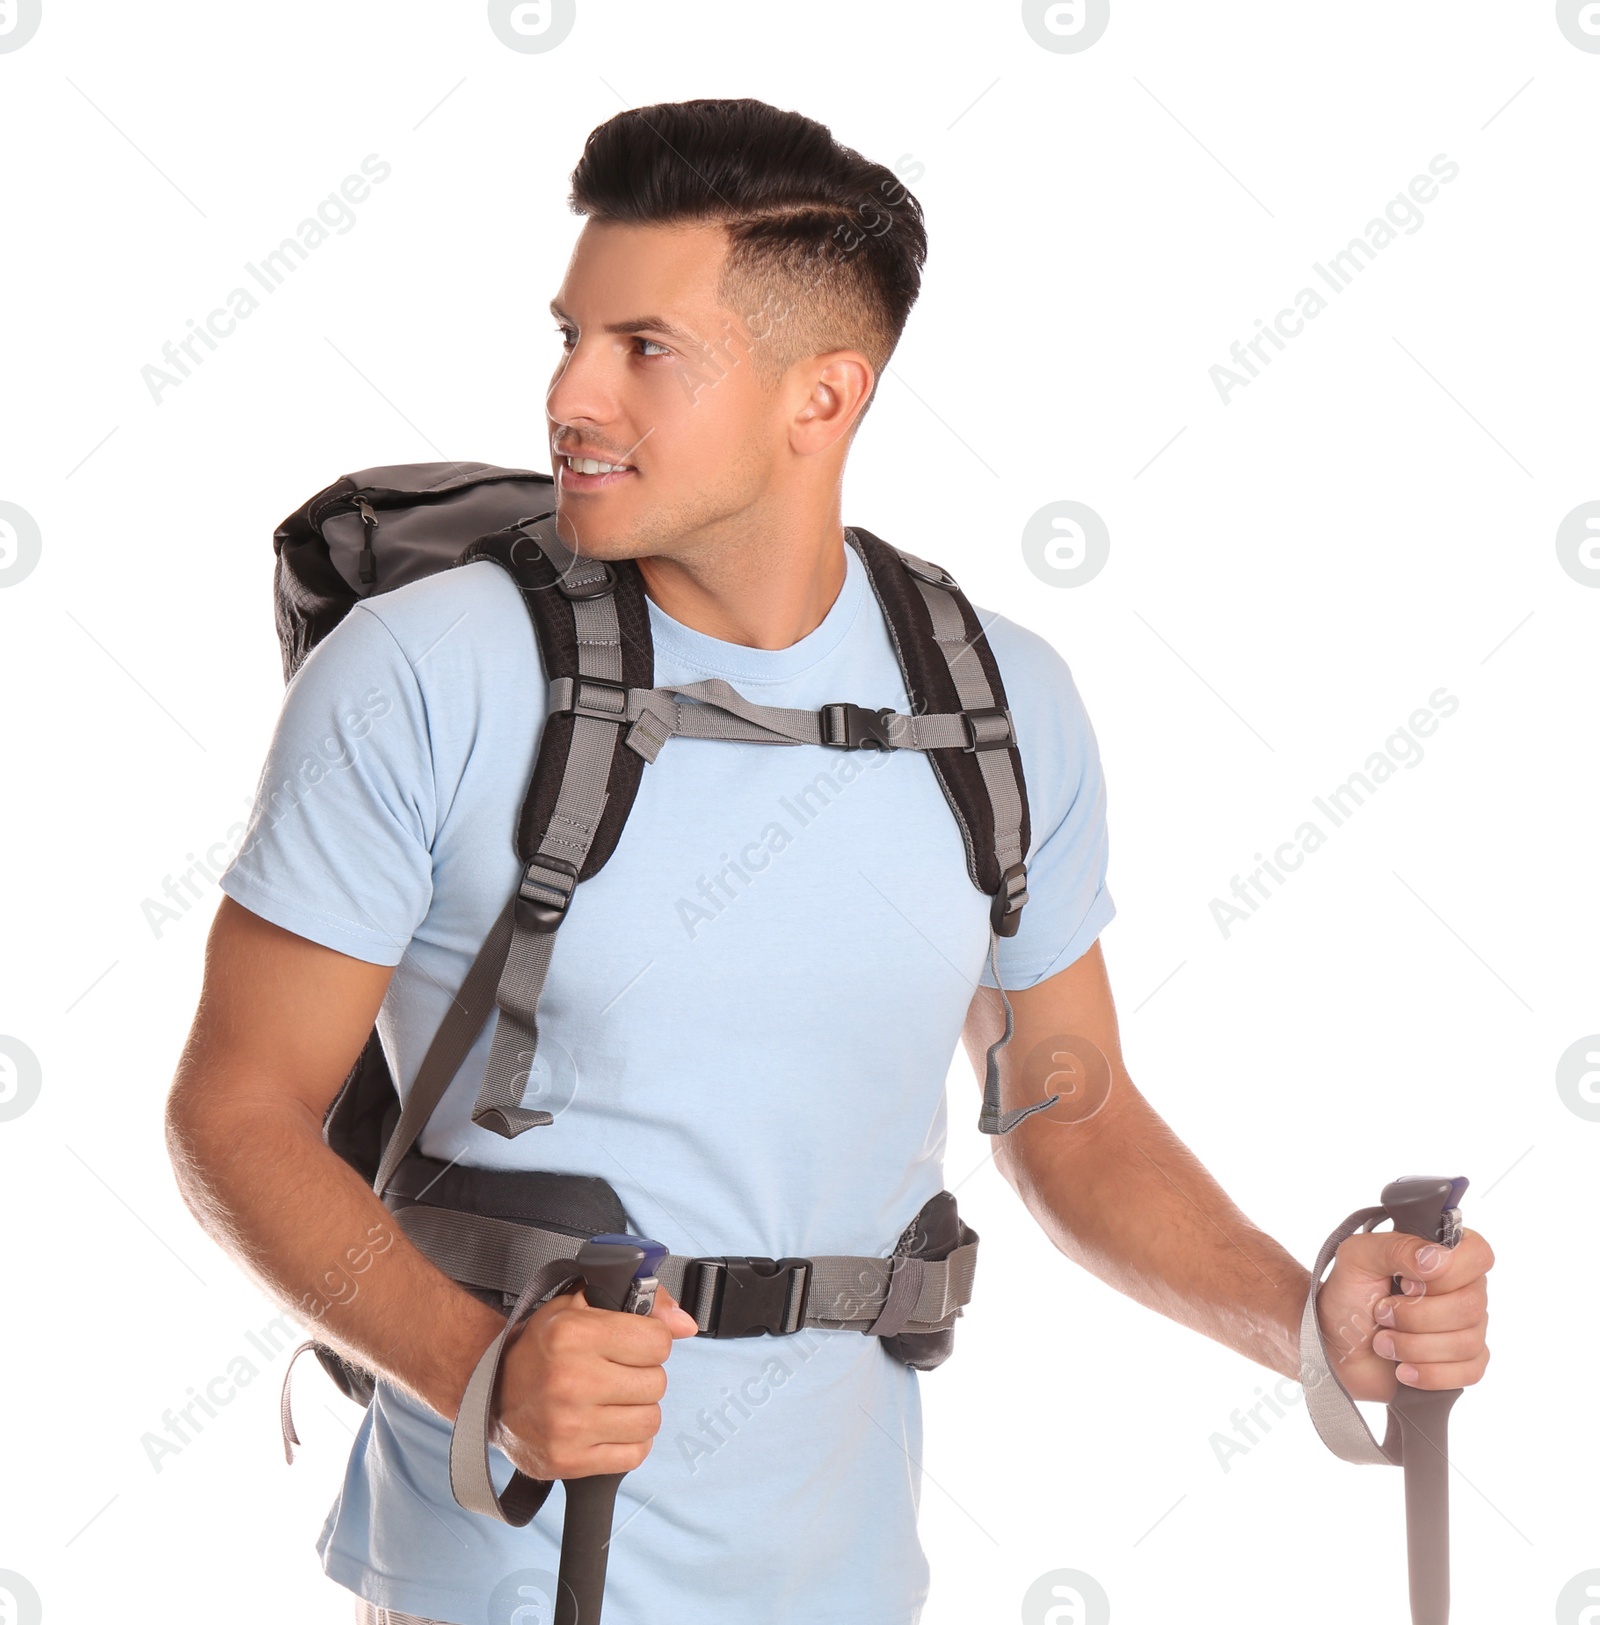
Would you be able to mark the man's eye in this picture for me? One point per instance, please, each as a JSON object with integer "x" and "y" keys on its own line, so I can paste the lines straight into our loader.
{"x": 661, "y": 347}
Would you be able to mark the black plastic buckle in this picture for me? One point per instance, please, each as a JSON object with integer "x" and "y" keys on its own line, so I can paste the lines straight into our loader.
{"x": 752, "y": 1296}
{"x": 542, "y": 902}
{"x": 579, "y": 707}
{"x": 603, "y": 583}
{"x": 854, "y": 727}
{"x": 987, "y": 729}
{"x": 1008, "y": 901}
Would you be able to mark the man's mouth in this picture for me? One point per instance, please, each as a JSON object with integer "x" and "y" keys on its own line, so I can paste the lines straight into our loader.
{"x": 589, "y": 473}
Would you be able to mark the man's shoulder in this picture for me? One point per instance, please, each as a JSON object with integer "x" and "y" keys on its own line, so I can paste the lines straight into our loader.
{"x": 1054, "y": 730}
{"x": 1033, "y": 670}
{"x": 466, "y": 615}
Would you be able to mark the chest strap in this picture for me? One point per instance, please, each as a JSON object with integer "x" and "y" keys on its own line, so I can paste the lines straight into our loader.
{"x": 720, "y": 711}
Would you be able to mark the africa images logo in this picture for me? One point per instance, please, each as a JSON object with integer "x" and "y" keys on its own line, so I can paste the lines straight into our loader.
{"x": 19, "y": 1602}
{"x": 20, "y": 544}
{"x": 1066, "y": 25}
{"x": 19, "y": 22}
{"x": 532, "y": 25}
{"x": 1579, "y": 20}
{"x": 21, "y": 1079}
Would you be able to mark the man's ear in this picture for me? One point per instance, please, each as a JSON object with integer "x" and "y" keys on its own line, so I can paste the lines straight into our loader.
{"x": 838, "y": 386}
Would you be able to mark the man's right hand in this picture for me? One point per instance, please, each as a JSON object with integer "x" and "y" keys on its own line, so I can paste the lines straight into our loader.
{"x": 580, "y": 1387}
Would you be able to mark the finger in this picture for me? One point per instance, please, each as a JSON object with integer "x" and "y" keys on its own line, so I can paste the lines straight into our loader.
{"x": 625, "y": 1424}
{"x": 625, "y": 1386}
{"x": 1429, "y": 1348}
{"x": 610, "y": 1458}
{"x": 1448, "y": 1312}
{"x": 679, "y": 1321}
{"x": 1450, "y": 1374}
{"x": 633, "y": 1340}
{"x": 1452, "y": 1268}
{"x": 1382, "y": 1254}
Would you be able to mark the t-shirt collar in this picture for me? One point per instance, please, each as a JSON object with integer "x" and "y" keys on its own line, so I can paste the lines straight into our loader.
{"x": 734, "y": 660}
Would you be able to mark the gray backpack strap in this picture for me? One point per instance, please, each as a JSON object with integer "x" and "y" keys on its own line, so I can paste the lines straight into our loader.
{"x": 722, "y": 712}
{"x": 728, "y": 1297}
{"x": 470, "y": 1482}
{"x": 509, "y": 969}
{"x": 551, "y": 874}
{"x": 1006, "y": 795}
{"x": 463, "y": 1021}
{"x": 991, "y": 803}
{"x": 1333, "y": 1412}
{"x": 880, "y": 1296}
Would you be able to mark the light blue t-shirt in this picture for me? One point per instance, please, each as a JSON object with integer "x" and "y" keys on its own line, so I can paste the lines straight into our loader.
{"x": 749, "y": 1018}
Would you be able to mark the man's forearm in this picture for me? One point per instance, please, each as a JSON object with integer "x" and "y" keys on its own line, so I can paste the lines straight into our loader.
{"x": 1122, "y": 1195}
{"x": 261, "y": 1181}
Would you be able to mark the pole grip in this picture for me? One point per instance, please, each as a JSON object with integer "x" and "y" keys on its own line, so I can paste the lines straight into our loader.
{"x": 1430, "y": 1207}
{"x": 618, "y": 1274}
{"x": 1425, "y": 1205}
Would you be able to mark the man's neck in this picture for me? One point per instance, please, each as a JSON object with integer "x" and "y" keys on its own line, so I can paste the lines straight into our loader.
{"x": 764, "y": 598}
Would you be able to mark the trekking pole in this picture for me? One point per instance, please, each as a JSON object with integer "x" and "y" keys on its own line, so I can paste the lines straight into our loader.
{"x": 1427, "y": 1207}
{"x": 619, "y": 1273}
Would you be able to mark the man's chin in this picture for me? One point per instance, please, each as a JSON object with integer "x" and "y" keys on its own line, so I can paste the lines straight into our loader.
{"x": 580, "y": 526}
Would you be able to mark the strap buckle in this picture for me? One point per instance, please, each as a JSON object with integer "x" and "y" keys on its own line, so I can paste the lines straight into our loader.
{"x": 1008, "y": 901}
{"x": 591, "y": 586}
{"x": 988, "y": 728}
{"x": 752, "y": 1296}
{"x": 855, "y": 727}
{"x": 543, "y": 894}
{"x": 586, "y": 690}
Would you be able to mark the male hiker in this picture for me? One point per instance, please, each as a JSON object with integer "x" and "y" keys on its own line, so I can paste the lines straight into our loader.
{"x": 751, "y": 1009}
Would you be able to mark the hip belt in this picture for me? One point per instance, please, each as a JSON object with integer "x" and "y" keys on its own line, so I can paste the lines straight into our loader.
{"x": 490, "y": 1229}
{"x": 511, "y": 1237}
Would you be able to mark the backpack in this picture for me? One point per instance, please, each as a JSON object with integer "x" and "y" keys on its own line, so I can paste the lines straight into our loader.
{"x": 379, "y": 529}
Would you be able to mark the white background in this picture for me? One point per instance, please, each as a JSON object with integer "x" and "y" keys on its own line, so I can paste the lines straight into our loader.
{"x": 1290, "y": 577}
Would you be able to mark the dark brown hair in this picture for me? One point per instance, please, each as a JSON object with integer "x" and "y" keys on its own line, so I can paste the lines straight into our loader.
{"x": 826, "y": 248}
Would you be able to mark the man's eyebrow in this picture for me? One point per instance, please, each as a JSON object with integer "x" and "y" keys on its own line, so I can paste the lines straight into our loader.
{"x": 639, "y": 324}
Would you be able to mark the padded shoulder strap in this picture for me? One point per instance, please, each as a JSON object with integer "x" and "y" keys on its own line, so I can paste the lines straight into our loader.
{"x": 535, "y": 558}
{"x": 947, "y": 665}
{"x": 592, "y": 621}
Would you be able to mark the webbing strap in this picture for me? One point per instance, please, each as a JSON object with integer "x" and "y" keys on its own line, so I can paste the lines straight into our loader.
{"x": 285, "y": 1415}
{"x": 722, "y": 712}
{"x": 546, "y": 887}
{"x": 470, "y": 1482}
{"x": 972, "y": 685}
{"x": 881, "y": 1296}
{"x": 1005, "y": 796}
{"x": 1333, "y": 1412}
{"x": 846, "y": 1293}
{"x": 462, "y": 1023}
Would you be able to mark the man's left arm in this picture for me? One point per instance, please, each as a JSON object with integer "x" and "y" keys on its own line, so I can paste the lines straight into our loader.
{"x": 1119, "y": 1193}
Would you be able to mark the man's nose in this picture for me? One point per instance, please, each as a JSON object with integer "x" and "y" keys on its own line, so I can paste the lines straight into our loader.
{"x": 583, "y": 389}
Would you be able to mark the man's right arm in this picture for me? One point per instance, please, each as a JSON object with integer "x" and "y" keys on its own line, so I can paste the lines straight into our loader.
{"x": 280, "y": 1023}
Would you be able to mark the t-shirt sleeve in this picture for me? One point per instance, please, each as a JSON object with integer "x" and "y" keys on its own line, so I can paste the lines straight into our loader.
{"x": 338, "y": 847}
{"x": 1068, "y": 905}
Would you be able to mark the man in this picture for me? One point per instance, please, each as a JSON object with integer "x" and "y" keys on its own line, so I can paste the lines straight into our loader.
{"x": 749, "y": 1016}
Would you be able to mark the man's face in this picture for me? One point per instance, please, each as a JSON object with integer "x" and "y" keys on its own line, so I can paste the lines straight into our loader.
{"x": 656, "y": 375}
